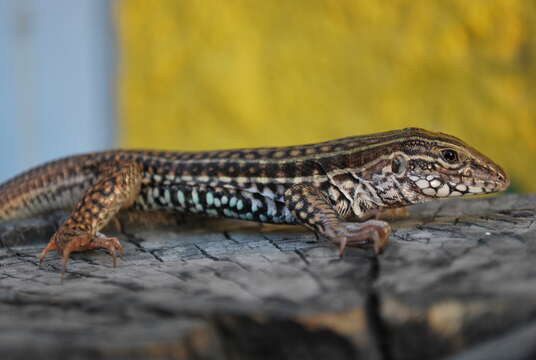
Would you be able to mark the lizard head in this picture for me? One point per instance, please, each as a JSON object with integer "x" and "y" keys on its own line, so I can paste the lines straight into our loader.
{"x": 437, "y": 165}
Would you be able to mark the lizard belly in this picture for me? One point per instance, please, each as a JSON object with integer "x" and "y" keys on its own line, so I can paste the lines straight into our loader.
{"x": 214, "y": 202}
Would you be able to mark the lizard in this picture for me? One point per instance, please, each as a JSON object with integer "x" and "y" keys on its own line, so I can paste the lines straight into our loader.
{"x": 335, "y": 188}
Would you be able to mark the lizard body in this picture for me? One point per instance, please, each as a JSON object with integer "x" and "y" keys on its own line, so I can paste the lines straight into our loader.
{"x": 322, "y": 186}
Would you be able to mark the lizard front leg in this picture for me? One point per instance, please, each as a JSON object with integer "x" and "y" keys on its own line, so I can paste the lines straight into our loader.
{"x": 312, "y": 208}
{"x": 116, "y": 187}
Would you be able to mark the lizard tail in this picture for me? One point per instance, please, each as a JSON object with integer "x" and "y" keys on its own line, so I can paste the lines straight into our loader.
{"x": 51, "y": 186}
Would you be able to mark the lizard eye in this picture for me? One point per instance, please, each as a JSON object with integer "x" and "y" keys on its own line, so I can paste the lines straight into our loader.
{"x": 398, "y": 166}
{"x": 449, "y": 156}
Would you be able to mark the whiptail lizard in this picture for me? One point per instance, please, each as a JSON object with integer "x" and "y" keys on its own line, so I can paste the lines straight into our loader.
{"x": 323, "y": 186}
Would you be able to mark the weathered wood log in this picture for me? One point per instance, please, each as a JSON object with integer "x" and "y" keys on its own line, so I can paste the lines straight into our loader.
{"x": 458, "y": 279}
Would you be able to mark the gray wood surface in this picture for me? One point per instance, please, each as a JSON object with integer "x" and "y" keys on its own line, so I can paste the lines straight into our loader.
{"x": 458, "y": 280}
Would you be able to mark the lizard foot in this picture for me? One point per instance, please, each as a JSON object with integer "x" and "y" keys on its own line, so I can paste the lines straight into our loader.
{"x": 66, "y": 243}
{"x": 373, "y": 231}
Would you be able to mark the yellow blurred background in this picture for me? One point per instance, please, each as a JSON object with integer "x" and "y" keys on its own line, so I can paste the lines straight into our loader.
{"x": 217, "y": 74}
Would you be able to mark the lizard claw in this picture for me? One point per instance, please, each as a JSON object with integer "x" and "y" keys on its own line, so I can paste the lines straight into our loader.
{"x": 67, "y": 243}
{"x": 110, "y": 244}
{"x": 373, "y": 231}
{"x": 50, "y": 247}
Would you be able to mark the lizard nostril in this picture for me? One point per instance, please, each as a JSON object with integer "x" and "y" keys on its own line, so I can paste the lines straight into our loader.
{"x": 505, "y": 179}
{"x": 502, "y": 178}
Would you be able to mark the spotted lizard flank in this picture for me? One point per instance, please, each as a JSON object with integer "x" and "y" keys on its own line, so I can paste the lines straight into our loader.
{"x": 331, "y": 187}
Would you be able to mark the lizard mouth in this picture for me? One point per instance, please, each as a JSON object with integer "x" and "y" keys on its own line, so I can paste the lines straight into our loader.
{"x": 492, "y": 178}
{"x": 476, "y": 188}
{"x": 504, "y": 181}
{"x": 440, "y": 188}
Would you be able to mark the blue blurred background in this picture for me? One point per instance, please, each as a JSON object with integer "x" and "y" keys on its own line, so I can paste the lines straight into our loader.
{"x": 57, "y": 80}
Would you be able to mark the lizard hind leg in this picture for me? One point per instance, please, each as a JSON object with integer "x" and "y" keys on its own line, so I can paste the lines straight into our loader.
{"x": 116, "y": 187}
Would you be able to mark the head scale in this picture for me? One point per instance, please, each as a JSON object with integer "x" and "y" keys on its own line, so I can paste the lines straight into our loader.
{"x": 436, "y": 165}
{"x": 409, "y": 166}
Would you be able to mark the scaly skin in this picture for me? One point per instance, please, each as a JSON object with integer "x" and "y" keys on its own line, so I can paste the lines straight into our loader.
{"x": 323, "y": 186}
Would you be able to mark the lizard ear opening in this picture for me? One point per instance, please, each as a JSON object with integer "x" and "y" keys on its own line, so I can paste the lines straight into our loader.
{"x": 398, "y": 165}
